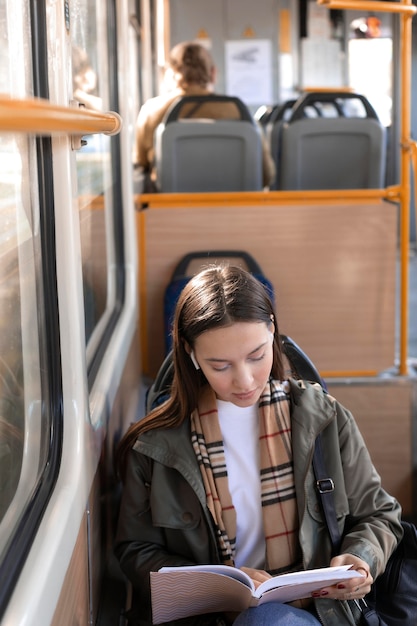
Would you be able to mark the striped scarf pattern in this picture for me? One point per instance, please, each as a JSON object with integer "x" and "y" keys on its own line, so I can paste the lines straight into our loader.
{"x": 278, "y": 499}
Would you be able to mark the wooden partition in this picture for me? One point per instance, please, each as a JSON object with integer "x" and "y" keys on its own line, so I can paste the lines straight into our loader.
{"x": 385, "y": 409}
{"x": 332, "y": 262}
{"x": 73, "y": 606}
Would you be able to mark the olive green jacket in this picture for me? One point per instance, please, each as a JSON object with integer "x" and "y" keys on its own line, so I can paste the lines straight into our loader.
{"x": 164, "y": 519}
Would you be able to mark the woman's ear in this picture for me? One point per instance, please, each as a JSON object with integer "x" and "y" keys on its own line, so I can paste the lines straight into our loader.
{"x": 194, "y": 360}
{"x": 191, "y": 354}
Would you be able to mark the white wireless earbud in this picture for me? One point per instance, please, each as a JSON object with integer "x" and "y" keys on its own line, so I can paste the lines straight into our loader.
{"x": 194, "y": 360}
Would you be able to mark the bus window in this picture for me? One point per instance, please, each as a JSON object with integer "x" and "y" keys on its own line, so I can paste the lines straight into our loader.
{"x": 24, "y": 441}
{"x": 22, "y": 449}
{"x": 91, "y": 89}
{"x": 370, "y": 63}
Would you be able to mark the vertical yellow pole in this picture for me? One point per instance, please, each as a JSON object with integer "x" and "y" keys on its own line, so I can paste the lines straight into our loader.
{"x": 405, "y": 36}
{"x": 143, "y": 304}
{"x": 406, "y": 11}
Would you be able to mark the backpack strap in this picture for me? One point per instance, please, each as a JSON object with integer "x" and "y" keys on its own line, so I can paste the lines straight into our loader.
{"x": 325, "y": 487}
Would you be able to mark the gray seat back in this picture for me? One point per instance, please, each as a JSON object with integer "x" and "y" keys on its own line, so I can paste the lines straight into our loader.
{"x": 208, "y": 155}
{"x": 204, "y": 154}
{"x": 337, "y": 153}
{"x": 332, "y": 152}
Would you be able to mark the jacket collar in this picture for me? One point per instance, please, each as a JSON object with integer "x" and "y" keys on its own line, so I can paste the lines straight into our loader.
{"x": 172, "y": 447}
{"x": 311, "y": 410}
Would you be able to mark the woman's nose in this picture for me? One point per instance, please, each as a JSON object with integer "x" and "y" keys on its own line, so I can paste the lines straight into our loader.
{"x": 243, "y": 377}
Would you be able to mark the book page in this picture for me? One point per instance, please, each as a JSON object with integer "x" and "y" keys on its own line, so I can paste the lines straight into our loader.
{"x": 310, "y": 579}
{"x": 226, "y": 570}
{"x": 177, "y": 594}
{"x": 295, "y": 588}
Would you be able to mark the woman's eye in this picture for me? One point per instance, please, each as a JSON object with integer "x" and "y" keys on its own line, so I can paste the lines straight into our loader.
{"x": 220, "y": 369}
{"x": 257, "y": 358}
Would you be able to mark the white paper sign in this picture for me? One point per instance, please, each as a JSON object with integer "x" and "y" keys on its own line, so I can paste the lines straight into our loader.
{"x": 321, "y": 63}
{"x": 249, "y": 70}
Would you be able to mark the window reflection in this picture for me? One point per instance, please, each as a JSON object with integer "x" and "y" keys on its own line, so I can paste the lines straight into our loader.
{"x": 90, "y": 89}
{"x": 23, "y": 448}
{"x": 85, "y": 85}
{"x": 11, "y": 373}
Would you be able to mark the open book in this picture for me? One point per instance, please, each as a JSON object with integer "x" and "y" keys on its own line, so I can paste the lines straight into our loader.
{"x": 193, "y": 590}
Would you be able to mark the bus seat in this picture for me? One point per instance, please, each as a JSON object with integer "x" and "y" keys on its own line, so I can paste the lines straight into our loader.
{"x": 195, "y": 154}
{"x": 264, "y": 113}
{"x": 338, "y": 152}
{"x": 277, "y": 117}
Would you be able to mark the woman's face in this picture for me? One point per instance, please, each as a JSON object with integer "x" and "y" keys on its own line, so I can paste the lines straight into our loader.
{"x": 236, "y": 360}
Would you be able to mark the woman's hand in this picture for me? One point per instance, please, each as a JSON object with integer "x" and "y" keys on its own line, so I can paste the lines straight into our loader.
{"x": 351, "y": 589}
{"x": 258, "y": 575}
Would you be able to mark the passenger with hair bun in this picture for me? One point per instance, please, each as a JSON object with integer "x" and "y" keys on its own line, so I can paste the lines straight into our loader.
{"x": 222, "y": 472}
{"x": 190, "y": 71}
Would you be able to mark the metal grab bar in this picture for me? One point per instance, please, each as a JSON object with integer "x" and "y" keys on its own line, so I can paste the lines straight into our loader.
{"x": 413, "y": 159}
{"x": 370, "y": 5}
{"x": 252, "y": 198}
{"x": 40, "y": 117}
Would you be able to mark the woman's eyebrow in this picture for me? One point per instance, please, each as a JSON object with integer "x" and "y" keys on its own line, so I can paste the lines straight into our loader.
{"x": 216, "y": 360}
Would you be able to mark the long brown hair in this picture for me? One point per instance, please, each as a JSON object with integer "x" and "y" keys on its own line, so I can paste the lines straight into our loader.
{"x": 216, "y": 297}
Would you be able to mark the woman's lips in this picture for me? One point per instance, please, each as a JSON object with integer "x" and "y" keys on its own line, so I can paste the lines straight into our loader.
{"x": 245, "y": 396}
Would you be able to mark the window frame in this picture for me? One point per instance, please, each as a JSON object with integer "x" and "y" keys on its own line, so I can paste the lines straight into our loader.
{"x": 22, "y": 537}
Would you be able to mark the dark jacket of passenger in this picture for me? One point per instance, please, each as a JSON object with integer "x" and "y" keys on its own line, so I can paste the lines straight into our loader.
{"x": 164, "y": 519}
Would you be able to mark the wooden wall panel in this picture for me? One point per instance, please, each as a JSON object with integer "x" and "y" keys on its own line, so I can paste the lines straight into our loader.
{"x": 73, "y": 604}
{"x": 384, "y": 410}
{"x": 333, "y": 268}
{"x": 74, "y": 607}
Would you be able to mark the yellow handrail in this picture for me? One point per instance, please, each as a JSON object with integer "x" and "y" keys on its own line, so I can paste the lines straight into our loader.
{"x": 405, "y": 99}
{"x": 370, "y": 5}
{"x": 413, "y": 157}
{"x": 217, "y": 199}
{"x": 39, "y": 117}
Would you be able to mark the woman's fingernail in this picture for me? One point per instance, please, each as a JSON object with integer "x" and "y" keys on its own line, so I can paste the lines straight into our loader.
{"x": 324, "y": 593}
{"x": 341, "y": 586}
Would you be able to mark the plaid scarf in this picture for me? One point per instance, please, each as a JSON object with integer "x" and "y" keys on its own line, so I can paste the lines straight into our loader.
{"x": 279, "y": 509}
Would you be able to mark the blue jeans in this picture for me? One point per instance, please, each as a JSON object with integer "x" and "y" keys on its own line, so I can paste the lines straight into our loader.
{"x": 276, "y": 613}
